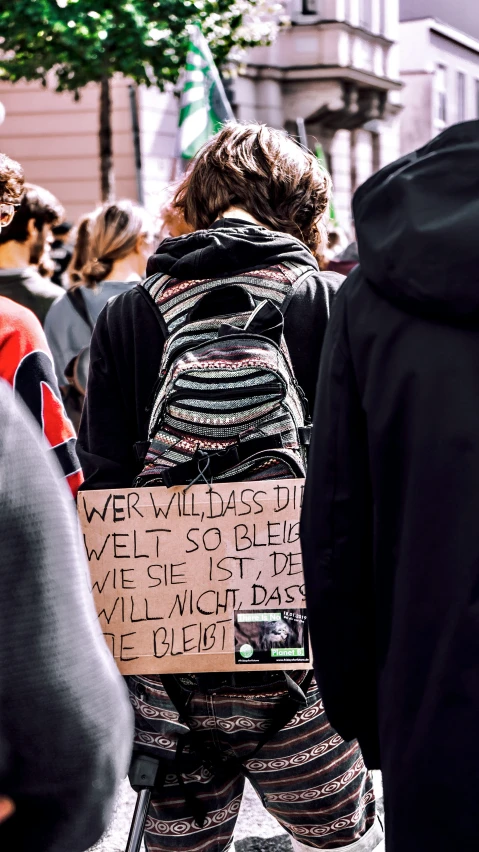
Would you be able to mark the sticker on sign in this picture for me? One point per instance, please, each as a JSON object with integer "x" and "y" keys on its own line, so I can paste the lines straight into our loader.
{"x": 271, "y": 637}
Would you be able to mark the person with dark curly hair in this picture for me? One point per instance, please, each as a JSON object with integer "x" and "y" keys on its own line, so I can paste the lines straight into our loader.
{"x": 11, "y": 188}
{"x": 25, "y": 359}
{"x": 23, "y": 237}
{"x": 255, "y": 201}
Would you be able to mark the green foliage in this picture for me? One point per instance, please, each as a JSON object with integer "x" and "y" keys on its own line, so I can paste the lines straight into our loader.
{"x": 146, "y": 40}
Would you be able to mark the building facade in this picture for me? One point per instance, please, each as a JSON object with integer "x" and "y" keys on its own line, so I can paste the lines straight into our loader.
{"x": 440, "y": 72}
{"x": 336, "y": 68}
{"x": 461, "y": 14}
{"x": 56, "y": 140}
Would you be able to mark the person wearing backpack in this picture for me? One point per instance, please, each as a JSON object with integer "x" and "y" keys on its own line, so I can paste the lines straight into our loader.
{"x": 120, "y": 241}
{"x": 207, "y": 369}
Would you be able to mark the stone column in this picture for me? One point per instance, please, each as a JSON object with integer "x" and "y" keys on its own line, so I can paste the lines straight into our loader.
{"x": 376, "y": 15}
{"x": 353, "y": 12}
{"x": 270, "y": 102}
{"x": 391, "y": 19}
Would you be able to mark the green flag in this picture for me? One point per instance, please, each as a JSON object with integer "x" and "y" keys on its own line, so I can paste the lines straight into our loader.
{"x": 322, "y": 159}
{"x": 204, "y": 107}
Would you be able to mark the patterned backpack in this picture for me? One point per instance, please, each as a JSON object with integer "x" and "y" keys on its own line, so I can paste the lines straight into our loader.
{"x": 226, "y": 405}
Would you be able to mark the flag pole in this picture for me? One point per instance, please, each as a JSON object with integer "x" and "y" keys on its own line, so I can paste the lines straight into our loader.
{"x": 301, "y": 128}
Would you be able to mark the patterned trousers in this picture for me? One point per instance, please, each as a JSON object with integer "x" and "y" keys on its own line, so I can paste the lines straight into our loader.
{"x": 309, "y": 779}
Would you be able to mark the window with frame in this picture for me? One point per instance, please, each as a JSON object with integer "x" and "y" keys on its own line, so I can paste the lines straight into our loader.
{"x": 309, "y": 7}
{"x": 461, "y": 96}
{"x": 441, "y": 94}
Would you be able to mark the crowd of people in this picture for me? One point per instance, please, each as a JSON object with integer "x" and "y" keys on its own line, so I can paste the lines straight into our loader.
{"x": 388, "y": 524}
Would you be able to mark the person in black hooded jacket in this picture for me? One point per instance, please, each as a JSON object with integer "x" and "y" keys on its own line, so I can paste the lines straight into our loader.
{"x": 255, "y": 200}
{"x": 389, "y": 524}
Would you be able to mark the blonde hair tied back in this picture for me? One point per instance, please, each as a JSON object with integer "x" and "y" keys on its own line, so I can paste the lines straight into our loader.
{"x": 114, "y": 231}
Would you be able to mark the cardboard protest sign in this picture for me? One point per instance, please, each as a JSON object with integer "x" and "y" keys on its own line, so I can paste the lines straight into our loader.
{"x": 205, "y": 578}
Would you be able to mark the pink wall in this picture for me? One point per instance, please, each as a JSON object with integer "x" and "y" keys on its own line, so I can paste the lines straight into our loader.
{"x": 55, "y": 139}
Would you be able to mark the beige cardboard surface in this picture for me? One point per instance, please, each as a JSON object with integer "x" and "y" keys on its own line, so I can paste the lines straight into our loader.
{"x": 207, "y": 578}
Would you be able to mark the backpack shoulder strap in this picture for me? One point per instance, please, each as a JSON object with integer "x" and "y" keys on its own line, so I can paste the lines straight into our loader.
{"x": 299, "y": 274}
{"x": 146, "y": 295}
{"x": 174, "y": 299}
{"x": 154, "y": 286}
{"x": 76, "y": 298}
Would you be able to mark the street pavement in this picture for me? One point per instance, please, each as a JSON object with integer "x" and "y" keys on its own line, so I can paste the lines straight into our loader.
{"x": 256, "y": 830}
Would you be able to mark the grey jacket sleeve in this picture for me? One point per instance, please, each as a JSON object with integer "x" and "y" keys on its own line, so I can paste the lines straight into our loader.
{"x": 65, "y": 719}
{"x": 67, "y": 333}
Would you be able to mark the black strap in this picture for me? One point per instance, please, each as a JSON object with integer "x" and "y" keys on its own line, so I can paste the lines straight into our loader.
{"x": 154, "y": 307}
{"x": 218, "y": 764}
{"x": 211, "y": 465}
{"x": 141, "y": 448}
{"x": 266, "y": 319}
{"x": 288, "y": 708}
{"x": 222, "y": 300}
{"x": 197, "y": 807}
{"x": 180, "y": 700}
{"x": 304, "y": 433}
{"x": 294, "y": 287}
{"x": 295, "y": 699}
{"x": 76, "y": 298}
{"x": 178, "y": 696}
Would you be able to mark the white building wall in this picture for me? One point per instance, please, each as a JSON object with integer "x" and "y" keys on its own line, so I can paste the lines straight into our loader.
{"x": 364, "y": 155}
{"x": 56, "y": 138}
{"x": 389, "y": 142}
{"x": 414, "y": 44}
{"x": 299, "y": 76}
{"x": 340, "y": 154}
{"x": 457, "y": 59}
{"x": 426, "y": 45}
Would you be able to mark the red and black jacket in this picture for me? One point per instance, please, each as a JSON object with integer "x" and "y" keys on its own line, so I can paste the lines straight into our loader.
{"x": 26, "y": 364}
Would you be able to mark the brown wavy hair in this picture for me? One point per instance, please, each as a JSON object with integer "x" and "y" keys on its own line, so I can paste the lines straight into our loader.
{"x": 265, "y": 172}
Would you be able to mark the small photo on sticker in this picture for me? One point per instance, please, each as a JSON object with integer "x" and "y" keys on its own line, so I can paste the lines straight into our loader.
{"x": 277, "y": 636}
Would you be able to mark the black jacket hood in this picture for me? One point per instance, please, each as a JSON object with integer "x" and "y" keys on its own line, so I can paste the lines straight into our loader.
{"x": 417, "y": 223}
{"x": 228, "y": 247}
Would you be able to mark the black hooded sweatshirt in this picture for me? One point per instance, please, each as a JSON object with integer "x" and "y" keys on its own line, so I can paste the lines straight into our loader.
{"x": 128, "y": 340}
{"x": 390, "y": 521}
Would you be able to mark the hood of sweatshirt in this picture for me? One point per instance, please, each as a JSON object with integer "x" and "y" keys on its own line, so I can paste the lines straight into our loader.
{"x": 417, "y": 224}
{"x": 229, "y": 247}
